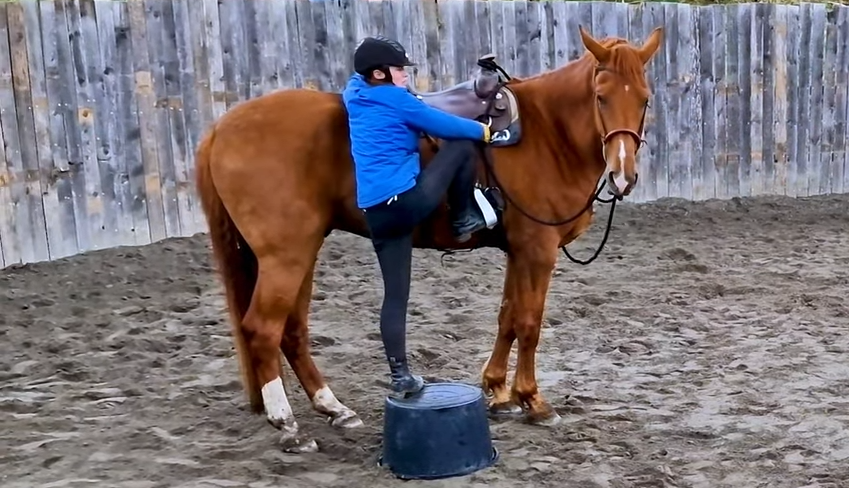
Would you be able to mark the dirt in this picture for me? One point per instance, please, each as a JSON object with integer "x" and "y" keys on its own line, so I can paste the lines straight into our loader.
{"x": 706, "y": 347}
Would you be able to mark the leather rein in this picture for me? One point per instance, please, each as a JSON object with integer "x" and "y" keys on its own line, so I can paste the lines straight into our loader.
{"x": 485, "y": 150}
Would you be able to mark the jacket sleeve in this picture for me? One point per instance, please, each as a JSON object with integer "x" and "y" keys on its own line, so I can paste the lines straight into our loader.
{"x": 429, "y": 120}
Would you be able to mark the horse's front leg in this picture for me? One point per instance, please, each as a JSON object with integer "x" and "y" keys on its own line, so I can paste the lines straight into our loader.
{"x": 494, "y": 374}
{"x": 527, "y": 290}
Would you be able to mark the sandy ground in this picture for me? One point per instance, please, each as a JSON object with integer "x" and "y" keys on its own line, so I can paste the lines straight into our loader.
{"x": 705, "y": 348}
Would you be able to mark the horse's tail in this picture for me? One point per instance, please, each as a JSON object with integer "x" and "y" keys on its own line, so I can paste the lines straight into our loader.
{"x": 236, "y": 261}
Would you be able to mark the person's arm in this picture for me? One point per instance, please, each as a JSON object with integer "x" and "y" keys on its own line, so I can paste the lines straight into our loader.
{"x": 436, "y": 122}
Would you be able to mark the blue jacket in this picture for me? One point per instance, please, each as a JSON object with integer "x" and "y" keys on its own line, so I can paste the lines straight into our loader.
{"x": 385, "y": 123}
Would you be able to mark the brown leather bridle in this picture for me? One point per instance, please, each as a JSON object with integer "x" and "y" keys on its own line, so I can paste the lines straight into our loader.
{"x": 607, "y": 135}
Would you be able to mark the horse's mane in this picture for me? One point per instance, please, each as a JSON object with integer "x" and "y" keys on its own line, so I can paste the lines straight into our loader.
{"x": 622, "y": 61}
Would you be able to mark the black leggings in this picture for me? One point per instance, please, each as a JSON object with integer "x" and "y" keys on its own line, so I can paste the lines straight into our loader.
{"x": 391, "y": 225}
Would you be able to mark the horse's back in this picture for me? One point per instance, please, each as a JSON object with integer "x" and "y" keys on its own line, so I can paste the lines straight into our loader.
{"x": 283, "y": 147}
{"x": 293, "y": 120}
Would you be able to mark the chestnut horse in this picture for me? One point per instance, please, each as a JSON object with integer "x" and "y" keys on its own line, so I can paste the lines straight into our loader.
{"x": 275, "y": 177}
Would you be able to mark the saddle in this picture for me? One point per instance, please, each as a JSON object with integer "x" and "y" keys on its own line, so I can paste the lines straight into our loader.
{"x": 469, "y": 99}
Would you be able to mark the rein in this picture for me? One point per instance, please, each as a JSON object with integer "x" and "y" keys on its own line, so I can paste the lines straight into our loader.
{"x": 485, "y": 150}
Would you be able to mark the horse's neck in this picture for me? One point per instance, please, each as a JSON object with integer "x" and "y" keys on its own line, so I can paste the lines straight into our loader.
{"x": 562, "y": 102}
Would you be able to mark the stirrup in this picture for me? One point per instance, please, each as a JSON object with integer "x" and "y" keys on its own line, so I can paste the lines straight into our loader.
{"x": 486, "y": 209}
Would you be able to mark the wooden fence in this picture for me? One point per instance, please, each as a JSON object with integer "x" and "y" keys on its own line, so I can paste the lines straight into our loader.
{"x": 103, "y": 102}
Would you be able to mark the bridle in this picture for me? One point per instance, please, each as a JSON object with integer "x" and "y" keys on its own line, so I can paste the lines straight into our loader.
{"x": 607, "y": 135}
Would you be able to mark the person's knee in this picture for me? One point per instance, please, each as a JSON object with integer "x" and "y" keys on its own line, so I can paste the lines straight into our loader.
{"x": 460, "y": 148}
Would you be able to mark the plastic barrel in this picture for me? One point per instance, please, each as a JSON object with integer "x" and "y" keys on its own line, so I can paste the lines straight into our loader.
{"x": 439, "y": 433}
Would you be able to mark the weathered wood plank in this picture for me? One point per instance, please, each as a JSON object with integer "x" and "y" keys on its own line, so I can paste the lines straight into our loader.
{"x": 841, "y": 113}
{"x": 803, "y": 101}
{"x": 99, "y": 92}
{"x": 507, "y": 49}
{"x": 781, "y": 88}
{"x": 447, "y": 74}
{"x": 547, "y": 46}
{"x": 199, "y": 56}
{"x": 66, "y": 103}
{"x": 733, "y": 117}
{"x": 89, "y": 182}
{"x": 339, "y": 51}
{"x": 251, "y": 48}
{"x": 63, "y": 240}
{"x": 831, "y": 174}
{"x": 188, "y": 116}
{"x": 680, "y": 130}
{"x": 19, "y": 135}
{"x": 288, "y": 62}
{"x": 305, "y": 47}
{"x": 128, "y": 128}
{"x": 706, "y": 166}
{"x": 418, "y": 42}
{"x": 560, "y": 24}
{"x": 114, "y": 175}
{"x": 173, "y": 105}
{"x": 720, "y": 157}
{"x": 13, "y": 217}
{"x": 212, "y": 28}
{"x": 42, "y": 138}
{"x": 744, "y": 97}
{"x": 647, "y": 188}
{"x": 657, "y": 125}
{"x": 520, "y": 40}
{"x": 429, "y": 78}
{"x": 761, "y": 102}
{"x": 462, "y": 43}
{"x": 161, "y": 122}
{"x": 319, "y": 45}
{"x": 233, "y": 53}
{"x": 145, "y": 98}
{"x": 815, "y": 55}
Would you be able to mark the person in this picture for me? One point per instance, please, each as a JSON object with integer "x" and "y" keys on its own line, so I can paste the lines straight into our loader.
{"x": 385, "y": 121}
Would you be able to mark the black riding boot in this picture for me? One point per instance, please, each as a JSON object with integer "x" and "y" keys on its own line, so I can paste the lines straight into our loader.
{"x": 404, "y": 383}
{"x": 468, "y": 221}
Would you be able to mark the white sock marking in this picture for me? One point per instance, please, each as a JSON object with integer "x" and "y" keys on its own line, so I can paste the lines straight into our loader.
{"x": 277, "y": 406}
{"x": 325, "y": 400}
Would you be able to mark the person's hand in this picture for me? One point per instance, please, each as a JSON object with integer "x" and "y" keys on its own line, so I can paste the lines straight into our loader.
{"x": 495, "y": 138}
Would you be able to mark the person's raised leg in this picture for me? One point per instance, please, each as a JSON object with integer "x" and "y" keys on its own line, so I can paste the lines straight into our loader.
{"x": 452, "y": 171}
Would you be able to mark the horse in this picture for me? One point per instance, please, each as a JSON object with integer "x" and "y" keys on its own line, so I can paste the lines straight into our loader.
{"x": 275, "y": 177}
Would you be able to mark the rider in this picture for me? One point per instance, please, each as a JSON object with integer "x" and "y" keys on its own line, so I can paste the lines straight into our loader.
{"x": 385, "y": 122}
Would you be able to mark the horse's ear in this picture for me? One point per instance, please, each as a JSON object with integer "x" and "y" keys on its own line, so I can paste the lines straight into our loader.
{"x": 649, "y": 47}
{"x": 601, "y": 53}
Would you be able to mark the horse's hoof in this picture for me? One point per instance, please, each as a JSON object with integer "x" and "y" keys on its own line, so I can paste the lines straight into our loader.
{"x": 548, "y": 419}
{"x": 347, "y": 419}
{"x": 297, "y": 443}
{"x": 502, "y": 410}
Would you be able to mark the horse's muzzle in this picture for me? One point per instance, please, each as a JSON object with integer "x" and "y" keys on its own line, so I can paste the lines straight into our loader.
{"x": 621, "y": 184}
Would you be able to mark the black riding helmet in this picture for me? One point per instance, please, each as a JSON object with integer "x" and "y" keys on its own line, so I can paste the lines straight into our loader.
{"x": 379, "y": 52}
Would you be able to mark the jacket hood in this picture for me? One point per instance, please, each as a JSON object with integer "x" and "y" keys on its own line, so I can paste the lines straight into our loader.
{"x": 356, "y": 84}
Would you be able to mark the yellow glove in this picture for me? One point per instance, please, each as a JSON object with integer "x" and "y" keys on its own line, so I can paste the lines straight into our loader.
{"x": 487, "y": 133}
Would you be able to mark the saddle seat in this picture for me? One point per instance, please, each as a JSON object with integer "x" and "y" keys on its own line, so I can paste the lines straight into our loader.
{"x": 468, "y": 99}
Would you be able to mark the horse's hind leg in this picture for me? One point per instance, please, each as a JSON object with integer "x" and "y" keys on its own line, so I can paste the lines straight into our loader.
{"x": 275, "y": 297}
{"x": 296, "y": 347}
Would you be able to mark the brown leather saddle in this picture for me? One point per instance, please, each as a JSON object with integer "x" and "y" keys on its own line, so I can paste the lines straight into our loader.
{"x": 469, "y": 99}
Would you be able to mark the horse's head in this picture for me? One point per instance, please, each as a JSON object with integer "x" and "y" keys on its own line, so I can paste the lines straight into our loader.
{"x": 621, "y": 99}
